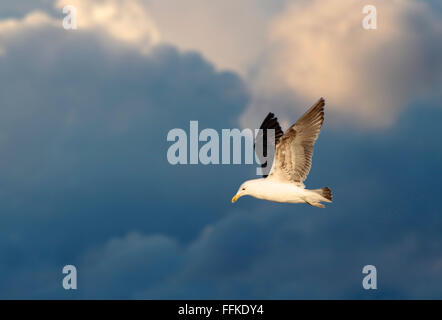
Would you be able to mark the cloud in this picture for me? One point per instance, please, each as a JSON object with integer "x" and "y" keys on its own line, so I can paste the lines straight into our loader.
{"x": 124, "y": 266}
{"x": 319, "y": 49}
{"x": 230, "y": 33}
{"x": 84, "y": 180}
{"x": 265, "y": 251}
{"x": 83, "y": 128}
{"x": 10, "y": 27}
{"x": 12, "y": 9}
{"x": 126, "y": 20}
{"x": 191, "y": 25}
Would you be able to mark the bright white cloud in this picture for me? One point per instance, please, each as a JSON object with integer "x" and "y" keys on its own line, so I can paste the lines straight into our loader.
{"x": 125, "y": 20}
{"x": 319, "y": 48}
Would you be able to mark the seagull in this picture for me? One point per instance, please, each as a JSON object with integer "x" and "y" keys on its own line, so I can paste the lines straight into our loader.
{"x": 291, "y": 163}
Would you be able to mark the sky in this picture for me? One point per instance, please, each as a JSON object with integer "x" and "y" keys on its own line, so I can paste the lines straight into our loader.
{"x": 84, "y": 176}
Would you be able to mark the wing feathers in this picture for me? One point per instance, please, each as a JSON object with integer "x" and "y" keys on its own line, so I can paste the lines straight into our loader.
{"x": 270, "y": 122}
{"x": 293, "y": 156}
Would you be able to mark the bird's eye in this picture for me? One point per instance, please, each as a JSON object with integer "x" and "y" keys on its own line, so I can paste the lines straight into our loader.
{"x": 243, "y": 189}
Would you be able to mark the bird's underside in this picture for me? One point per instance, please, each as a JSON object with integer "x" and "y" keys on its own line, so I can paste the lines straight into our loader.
{"x": 292, "y": 160}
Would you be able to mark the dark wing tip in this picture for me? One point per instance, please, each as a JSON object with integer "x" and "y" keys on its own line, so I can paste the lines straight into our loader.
{"x": 269, "y": 118}
{"x": 318, "y": 108}
{"x": 271, "y": 122}
{"x": 320, "y": 104}
{"x": 320, "y": 101}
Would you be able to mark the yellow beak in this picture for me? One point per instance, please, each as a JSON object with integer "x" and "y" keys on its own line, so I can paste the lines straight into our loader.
{"x": 236, "y": 197}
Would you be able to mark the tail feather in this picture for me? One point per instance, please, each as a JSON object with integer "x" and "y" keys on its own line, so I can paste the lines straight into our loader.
{"x": 326, "y": 193}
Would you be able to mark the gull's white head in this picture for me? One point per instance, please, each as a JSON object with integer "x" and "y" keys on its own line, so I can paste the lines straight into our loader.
{"x": 248, "y": 188}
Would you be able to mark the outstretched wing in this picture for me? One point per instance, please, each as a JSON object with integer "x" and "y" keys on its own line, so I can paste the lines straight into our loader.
{"x": 294, "y": 151}
{"x": 270, "y": 122}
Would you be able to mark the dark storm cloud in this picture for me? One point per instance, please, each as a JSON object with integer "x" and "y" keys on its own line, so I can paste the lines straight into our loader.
{"x": 84, "y": 121}
{"x": 383, "y": 214}
{"x": 385, "y": 187}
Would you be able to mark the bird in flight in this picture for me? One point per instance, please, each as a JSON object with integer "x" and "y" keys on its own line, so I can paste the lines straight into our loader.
{"x": 291, "y": 163}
